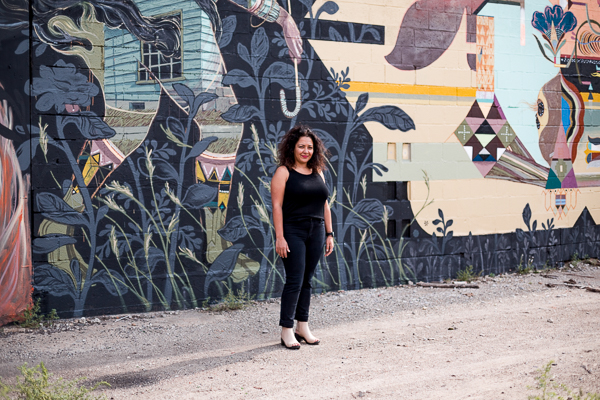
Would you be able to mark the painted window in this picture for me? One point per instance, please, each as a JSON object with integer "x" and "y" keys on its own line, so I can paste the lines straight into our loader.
{"x": 155, "y": 65}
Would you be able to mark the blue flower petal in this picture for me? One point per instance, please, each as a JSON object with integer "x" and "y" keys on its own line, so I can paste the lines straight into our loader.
{"x": 569, "y": 22}
{"x": 538, "y": 21}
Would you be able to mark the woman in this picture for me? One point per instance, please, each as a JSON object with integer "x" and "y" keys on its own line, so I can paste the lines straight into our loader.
{"x": 302, "y": 226}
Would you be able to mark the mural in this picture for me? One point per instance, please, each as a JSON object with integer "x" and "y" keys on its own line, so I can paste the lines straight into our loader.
{"x": 138, "y": 139}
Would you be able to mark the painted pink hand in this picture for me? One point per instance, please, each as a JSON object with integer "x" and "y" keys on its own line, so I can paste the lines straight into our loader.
{"x": 291, "y": 35}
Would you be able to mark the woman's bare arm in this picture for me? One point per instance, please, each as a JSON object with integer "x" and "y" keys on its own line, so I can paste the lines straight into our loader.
{"x": 277, "y": 191}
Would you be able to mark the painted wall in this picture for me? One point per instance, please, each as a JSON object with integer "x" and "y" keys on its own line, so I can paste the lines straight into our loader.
{"x": 461, "y": 133}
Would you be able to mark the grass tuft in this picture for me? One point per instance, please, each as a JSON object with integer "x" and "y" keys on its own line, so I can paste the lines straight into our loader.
{"x": 467, "y": 275}
{"x": 33, "y": 319}
{"x": 555, "y": 390}
{"x": 37, "y": 384}
{"x": 231, "y": 302}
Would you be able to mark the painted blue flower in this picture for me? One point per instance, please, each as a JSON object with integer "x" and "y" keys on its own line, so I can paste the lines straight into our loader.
{"x": 63, "y": 88}
{"x": 563, "y": 22}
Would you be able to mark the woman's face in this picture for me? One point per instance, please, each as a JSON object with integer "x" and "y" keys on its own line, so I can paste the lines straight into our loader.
{"x": 303, "y": 150}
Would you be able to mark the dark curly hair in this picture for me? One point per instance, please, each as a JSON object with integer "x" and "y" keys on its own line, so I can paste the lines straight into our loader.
{"x": 288, "y": 144}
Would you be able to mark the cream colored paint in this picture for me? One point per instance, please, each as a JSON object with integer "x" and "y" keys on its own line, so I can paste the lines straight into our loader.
{"x": 489, "y": 206}
{"x": 475, "y": 204}
{"x": 367, "y": 62}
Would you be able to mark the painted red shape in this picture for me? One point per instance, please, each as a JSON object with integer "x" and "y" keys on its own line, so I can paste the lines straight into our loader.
{"x": 15, "y": 256}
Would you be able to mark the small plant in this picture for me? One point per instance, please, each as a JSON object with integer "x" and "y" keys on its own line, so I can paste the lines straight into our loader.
{"x": 232, "y": 301}
{"x": 36, "y": 384}
{"x": 523, "y": 270}
{"x": 467, "y": 275}
{"x": 575, "y": 257}
{"x": 31, "y": 317}
{"x": 491, "y": 275}
{"x": 554, "y": 390}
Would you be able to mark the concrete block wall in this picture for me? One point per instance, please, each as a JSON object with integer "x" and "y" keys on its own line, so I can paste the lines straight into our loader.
{"x": 461, "y": 133}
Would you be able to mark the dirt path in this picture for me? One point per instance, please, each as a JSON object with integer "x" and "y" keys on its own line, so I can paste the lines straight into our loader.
{"x": 396, "y": 343}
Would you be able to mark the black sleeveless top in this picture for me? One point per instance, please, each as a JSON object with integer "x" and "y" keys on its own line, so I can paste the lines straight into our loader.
{"x": 304, "y": 196}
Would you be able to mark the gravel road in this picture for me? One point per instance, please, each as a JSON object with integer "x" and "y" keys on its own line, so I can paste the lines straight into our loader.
{"x": 403, "y": 342}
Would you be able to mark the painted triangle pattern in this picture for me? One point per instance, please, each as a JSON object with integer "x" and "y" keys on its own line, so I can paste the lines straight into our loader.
{"x": 485, "y": 50}
{"x": 485, "y": 139}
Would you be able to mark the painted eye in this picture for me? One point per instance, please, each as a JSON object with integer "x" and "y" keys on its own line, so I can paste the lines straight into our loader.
{"x": 537, "y": 122}
{"x": 540, "y": 108}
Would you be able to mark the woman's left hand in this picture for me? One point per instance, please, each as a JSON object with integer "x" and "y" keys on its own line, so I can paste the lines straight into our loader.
{"x": 328, "y": 245}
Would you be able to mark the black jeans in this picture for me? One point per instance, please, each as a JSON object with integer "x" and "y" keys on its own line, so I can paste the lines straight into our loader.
{"x": 306, "y": 240}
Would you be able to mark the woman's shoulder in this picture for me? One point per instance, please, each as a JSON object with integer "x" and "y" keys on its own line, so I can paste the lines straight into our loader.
{"x": 282, "y": 171}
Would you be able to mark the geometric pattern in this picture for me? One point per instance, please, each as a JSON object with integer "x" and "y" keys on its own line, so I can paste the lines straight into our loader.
{"x": 216, "y": 169}
{"x": 485, "y": 54}
{"x": 561, "y": 174}
{"x": 485, "y": 139}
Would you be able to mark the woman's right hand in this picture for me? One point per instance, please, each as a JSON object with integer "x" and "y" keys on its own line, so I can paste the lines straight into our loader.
{"x": 281, "y": 247}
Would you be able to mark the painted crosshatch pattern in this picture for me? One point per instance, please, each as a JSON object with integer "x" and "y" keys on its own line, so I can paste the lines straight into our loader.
{"x": 158, "y": 66}
{"x": 454, "y": 142}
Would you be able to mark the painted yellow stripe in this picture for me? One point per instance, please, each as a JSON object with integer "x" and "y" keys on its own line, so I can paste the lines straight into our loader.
{"x": 376, "y": 87}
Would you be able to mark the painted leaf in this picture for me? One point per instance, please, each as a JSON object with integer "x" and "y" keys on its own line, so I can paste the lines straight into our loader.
{"x": 329, "y": 7}
{"x": 142, "y": 264}
{"x": 373, "y": 32}
{"x": 282, "y": 74}
{"x": 520, "y": 235}
{"x": 76, "y": 270}
{"x": 113, "y": 282}
{"x": 228, "y": 28}
{"x": 91, "y": 126}
{"x": 24, "y": 153}
{"x": 101, "y": 213}
{"x": 164, "y": 170}
{"x": 527, "y": 215}
{"x": 57, "y": 210}
{"x": 366, "y": 213}
{"x": 184, "y": 92}
{"x": 198, "y": 195}
{"x": 260, "y": 48}
{"x": 49, "y": 243}
{"x": 223, "y": 266}
{"x": 238, "y": 113}
{"x": 362, "y": 101}
{"x": 176, "y": 127}
{"x": 201, "y": 146}
{"x": 334, "y": 35}
{"x": 238, "y": 77}
{"x": 243, "y": 53}
{"x": 22, "y": 47}
{"x": 391, "y": 117}
{"x": 235, "y": 229}
{"x": 202, "y": 98}
{"x": 53, "y": 280}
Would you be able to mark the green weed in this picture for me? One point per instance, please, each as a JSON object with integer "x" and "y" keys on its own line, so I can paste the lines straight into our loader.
{"x": 232, "y": 301}
{"x": 36, "y": 384}
{"x": 32, "y": 318}
{"x": 555, "y": 390}
{"x": 467, "y": 275}
{"x": 523, "y": 270}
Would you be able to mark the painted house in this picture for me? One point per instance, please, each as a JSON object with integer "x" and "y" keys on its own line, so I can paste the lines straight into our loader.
{"x": 132, "y": 66}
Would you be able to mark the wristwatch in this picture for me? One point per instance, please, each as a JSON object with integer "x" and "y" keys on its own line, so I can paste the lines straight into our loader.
{"x": 329, "y": 234}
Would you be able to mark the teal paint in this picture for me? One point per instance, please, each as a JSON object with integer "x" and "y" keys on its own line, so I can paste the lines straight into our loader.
{"x": 519, "y": 71}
